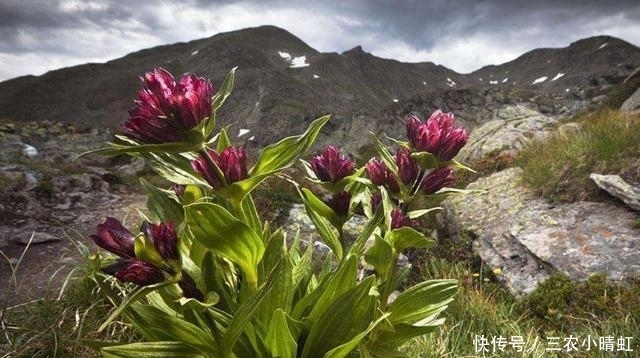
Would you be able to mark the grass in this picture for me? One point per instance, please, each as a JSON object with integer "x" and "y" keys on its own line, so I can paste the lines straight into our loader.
{"x": 558, "y": 308}
{"x": 59, "y": 326}
{"x": 558, "y": 168}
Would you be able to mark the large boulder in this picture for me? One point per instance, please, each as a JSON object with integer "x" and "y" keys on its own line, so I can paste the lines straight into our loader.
{"x": 632, "y": 104}
{"x": 527, "y": 238}
{"x": 510, "y": 129}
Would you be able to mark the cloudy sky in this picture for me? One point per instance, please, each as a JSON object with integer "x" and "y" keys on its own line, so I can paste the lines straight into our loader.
{"x": 463, "y": 35}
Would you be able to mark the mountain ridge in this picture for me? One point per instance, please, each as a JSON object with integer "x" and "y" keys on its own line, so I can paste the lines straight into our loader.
{"x": 276, "y": 97}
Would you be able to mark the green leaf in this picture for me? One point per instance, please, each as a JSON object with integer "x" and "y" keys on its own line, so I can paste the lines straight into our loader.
{"x": 426, "y": 160}
{"x": 360, "y": 242}
{"x": 151, "y": 350}
{"x": 225, "y": 90}
{"x": 422, "y": 301}
{"x": 242, "y": 317}
{"x": 280, "y": 340}
{"x": 380, "y": 255}
{"x": 346, "y": 348}
{"x": 319, "y": 207}
{"x": 418, "y": 213}
{"x": 457, "y": 164}
{"x": 344, "y": 319}
{"x": 281, "y": 296}
{"x": 332, "y": 285}
{"x": 286, "y": 152}
{"x": 162, "y": 204}
{"x": 165, "y": 326}
{"x": 176, "y": 168}
{"x": 323, "y": 226}
{"x": 387, "y": 341}
{"x": 137, "y": 148}
{"x": 131, "y": 298}
{"x": 223, "y": 141}
{"x": 406, "y": 237}
{"x": 386, "y": 156}
{"x": 219, "y": 231}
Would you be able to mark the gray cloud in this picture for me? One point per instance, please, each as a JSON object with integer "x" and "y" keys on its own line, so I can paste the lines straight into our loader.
{"x": 464, "y": 35}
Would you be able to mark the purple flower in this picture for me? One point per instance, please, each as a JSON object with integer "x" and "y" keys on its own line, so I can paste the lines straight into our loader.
{"x": 407, "y": 167}
{"x": 232, "y": 163}
{"x": 437, "y": 179}
{"x": 379, "y": 174}
{"x": 135, "y": 271}
{"x": 189, "y": 289}
{"x": 438, "y": 135}
{"x": 164, "y": 239}
{"x": 115, "y": 238}
{"x": 331, "y": 165}
{"x": 164, "y": 109}
{"x": 399, "y": 219}
{"x": 339, "y": 203}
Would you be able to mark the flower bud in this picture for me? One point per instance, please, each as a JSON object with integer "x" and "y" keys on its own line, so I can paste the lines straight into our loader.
{"x": 407, "y": 167}
{"x": 331, "y": 165}
{"x": 438, "y": 135}
{"x": 379, "y": 174}
{"x": 232, "y": 164}
{"x": 189, "y": 289}
{"x": 164, "y": 239}
{"x": 399, "y": 219}
{"x": 437, "y": 179}
{"x": 339, "y": 203}
{"x": 115, "y": 238}
{"x": 135, "y": 271}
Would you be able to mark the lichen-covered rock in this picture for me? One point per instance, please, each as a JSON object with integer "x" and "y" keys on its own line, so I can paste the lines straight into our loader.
{"x": 528, "y": 238}
{"x": 632, "y": 104}
{"x": 511, "y": 128}
{"x": 616, "y": 186}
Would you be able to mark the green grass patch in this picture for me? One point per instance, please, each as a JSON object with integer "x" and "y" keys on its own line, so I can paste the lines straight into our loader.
{"x": 558, "y": 168}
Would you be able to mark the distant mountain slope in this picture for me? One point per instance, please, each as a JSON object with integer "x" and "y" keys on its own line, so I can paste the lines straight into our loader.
{"x": 594, "y": 61}
{"x": 282, "y": 83}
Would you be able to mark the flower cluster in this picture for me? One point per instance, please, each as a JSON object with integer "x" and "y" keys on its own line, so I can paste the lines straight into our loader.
{"x": 165, "y": 109}
{"x": 152, "y": 266}
{"x": 437, "y": 136}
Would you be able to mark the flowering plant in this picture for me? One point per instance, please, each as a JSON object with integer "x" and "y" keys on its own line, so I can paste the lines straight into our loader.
{"x": 205, "y": 276}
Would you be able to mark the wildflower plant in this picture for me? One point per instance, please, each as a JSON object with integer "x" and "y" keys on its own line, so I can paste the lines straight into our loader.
{"x": 205, "y": 276}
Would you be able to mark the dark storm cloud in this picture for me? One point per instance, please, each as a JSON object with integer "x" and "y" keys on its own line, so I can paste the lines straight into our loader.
{"x": 425, "y": 23}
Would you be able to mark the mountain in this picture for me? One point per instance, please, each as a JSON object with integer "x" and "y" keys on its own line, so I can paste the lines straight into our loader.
{"x": 594, "y": 61}
{"x": 282, "y": 83}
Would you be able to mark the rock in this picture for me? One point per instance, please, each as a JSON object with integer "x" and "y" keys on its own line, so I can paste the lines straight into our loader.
{"x": 527, "y": 238}
{"x": 616, "y": 186}
{"x": 36, "y": 238}
{"x": 511, "y": 128}
{"x": 299, "y": 222}
{"x": 29, "y": 151}
{"x": 632, "y": 103}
